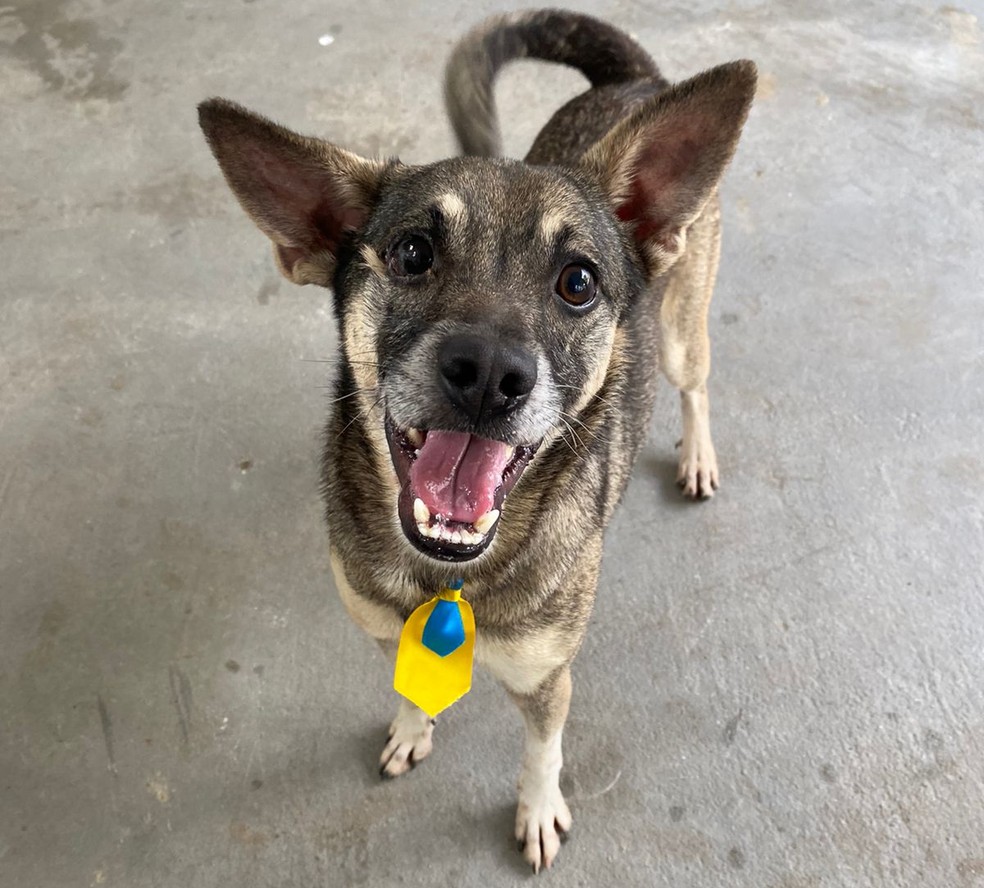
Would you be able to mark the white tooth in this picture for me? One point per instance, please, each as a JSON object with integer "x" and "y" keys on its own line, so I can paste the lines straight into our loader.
{"x": 423, "y": 529}
{"x": 485, "y": 523}
{"x": 414, "y": 437}
{"x": 472, "y": 539}
{"x": 456, "y": 537}
{"x": 421, "y": 514}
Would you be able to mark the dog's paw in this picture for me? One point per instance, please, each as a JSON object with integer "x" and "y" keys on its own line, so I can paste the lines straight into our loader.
{"x": 542, "y": 823}
{"x": 409, "y": 741}
{"x": 697, "y": 474}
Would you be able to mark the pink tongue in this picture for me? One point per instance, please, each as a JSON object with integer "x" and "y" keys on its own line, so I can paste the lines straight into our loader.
{"x": 457, "y": 474}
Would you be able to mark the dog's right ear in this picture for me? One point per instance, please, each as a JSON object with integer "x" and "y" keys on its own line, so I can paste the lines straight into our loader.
{"x": 305, "y": 194}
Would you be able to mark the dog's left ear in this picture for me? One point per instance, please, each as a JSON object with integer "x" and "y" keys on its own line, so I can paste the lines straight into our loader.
{"x": 305, "y": 194}
{"x": 660, "y": 165}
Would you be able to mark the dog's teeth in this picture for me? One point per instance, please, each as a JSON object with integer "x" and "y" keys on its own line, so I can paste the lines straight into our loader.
{"x": 471, "y": 539}
{"x": 456, "y": 537}
{"x": 486, "y": 522}
{"x": 416, "y": 438}
{"x": 421, "y": 514}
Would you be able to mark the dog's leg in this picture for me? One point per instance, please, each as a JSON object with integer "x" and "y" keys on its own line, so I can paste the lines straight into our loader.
{"x": 697, "y": 473}
{"x": 410, "y": 734}
{"x": 409, "y": 740}
{"x": 542, "y": 817}
{"x": 686, "y": 351}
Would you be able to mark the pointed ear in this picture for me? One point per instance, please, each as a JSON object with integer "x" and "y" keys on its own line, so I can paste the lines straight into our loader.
{"x": 660, "y": 165}
{"x": 305, "y": 194}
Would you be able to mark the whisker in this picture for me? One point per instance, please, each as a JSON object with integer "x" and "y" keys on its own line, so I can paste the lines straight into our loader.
{"x": 574, "y": 434}
{"x": 337, "y": 361}
{"x": 597, "y": 396}
{"x": 349, "y": 395}
{"x": 568, "y": 443}
{"x": 361, "y": 415}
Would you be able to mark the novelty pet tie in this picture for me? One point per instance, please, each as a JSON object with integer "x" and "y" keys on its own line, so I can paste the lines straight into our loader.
{"x": 437, "y": 645}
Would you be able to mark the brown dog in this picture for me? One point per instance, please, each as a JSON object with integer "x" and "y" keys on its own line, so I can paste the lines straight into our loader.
{"x": 502, "y": 325}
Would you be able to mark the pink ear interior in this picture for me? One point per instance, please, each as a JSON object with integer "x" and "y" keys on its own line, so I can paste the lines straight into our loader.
{"x": 302, "y": 202}
{"x": 664, "y": 187}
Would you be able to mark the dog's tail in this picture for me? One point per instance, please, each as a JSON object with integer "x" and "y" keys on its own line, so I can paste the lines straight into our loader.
{"x": 602, "y": 53}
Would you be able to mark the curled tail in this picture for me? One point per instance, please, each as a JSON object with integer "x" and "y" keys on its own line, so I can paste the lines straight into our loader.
{"x": 602, "y": 53}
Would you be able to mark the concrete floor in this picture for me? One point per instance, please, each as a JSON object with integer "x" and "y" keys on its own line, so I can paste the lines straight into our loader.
{"x": 783, "y": 688}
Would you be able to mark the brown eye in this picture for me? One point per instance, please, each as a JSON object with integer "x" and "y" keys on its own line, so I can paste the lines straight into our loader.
{"x": 577, "y": 286}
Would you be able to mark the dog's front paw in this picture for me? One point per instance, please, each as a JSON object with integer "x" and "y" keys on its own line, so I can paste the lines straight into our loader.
{"x": 542, "y": 823}
{"x": 697, "y": 475}
{"x": 409, "y": 741}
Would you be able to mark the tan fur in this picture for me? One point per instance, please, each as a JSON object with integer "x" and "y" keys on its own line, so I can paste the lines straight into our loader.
{"x": 686, "y": 349}
{"x": 522, "y": 664}
{"x": 372, "y": 261}
{"x": 381, "y": 622}
{"x": 552, "y": 222}
{"x": 455, "y": 213}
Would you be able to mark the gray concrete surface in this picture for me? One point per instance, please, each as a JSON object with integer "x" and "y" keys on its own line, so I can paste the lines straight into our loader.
{"x": 783, "y": 688}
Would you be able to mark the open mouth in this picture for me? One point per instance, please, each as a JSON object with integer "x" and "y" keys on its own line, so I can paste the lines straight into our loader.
{"x": 452, "y": 487}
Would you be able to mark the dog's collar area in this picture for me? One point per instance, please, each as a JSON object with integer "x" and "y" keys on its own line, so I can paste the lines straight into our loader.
{"x": 437, "y": 647}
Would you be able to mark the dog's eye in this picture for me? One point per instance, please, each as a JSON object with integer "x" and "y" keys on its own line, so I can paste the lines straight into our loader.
{"x": 577, "y": 286}
{"x": 411, "y": 256}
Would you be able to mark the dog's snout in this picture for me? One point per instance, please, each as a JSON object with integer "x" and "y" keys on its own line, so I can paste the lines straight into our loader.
{"x": 483, "y": 377}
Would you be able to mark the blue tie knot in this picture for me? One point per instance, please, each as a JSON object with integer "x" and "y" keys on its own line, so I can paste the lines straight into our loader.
{"x": 444, "y": 631}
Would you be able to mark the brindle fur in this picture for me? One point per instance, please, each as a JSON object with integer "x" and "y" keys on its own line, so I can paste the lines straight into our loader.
{"x": 626, "y": 172}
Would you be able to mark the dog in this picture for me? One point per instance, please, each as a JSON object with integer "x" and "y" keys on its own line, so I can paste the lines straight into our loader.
{"x": 502, "y": 325}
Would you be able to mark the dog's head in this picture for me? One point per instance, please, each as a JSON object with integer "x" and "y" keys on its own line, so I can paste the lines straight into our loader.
{"x": 479, "y": 300}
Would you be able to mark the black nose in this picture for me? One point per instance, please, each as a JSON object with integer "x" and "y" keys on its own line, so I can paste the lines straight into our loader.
{"x": 483, "y": 377}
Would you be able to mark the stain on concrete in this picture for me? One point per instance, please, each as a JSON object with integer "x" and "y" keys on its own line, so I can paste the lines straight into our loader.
{"x": 232, "y": 665}
{"x": 72, "y": 56}
{"x": 267, "y": 289}
{"x": 172, "y": 581}
{"x": 736, "y": 858}
{"x": 246, "y": 835}
{"x": 181, "y": 700}
{"x": 731, "y": 729}
{"x": 827, "y": 773}
{"x": 676, "y": 813}
{"x": 970, "y": 868}
{"x": 106, "y": 723}
{"x": 158, "y": 788}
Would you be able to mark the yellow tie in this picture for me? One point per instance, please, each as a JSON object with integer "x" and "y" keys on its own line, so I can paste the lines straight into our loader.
{"x": 437, "y": 646}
